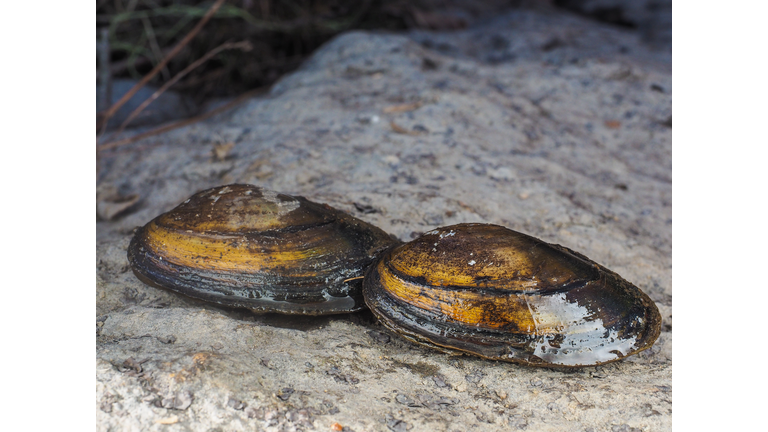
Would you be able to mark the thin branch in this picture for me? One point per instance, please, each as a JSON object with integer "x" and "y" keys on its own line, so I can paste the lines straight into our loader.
{"x": 120, "y": 66}
{"x": 171, "y": 126}
{"x": 153, "y": 45}
{"x": 244, "y": 45}
{"x": 126, "y": 97}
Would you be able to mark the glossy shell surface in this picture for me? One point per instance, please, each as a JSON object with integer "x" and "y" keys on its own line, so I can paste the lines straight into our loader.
{"x": 499, "y": 294}
{"x": 244, "y": 246}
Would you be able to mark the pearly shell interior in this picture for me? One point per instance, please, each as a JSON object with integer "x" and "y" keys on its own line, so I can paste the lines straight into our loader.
{"x": 503, "y": 295}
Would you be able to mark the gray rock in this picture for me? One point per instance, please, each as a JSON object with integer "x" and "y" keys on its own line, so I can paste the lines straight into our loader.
{"x": 568, "y": 143}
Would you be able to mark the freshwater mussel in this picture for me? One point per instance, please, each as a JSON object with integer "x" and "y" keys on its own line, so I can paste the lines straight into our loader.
{"x": 474, "y": 288}
{"x": 502, "y": 295}
{"x": 244, "y": 246}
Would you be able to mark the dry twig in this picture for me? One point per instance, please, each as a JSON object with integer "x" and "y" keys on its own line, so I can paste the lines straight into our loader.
{"x": 244, "y": 45}
{"x": 402, "y": 107}
{"x": 171, "y": 126}
{"x": 126, "y": 97}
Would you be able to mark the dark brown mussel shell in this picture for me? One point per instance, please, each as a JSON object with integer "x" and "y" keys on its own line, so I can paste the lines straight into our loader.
{"x": 244, "y": 246}
{"x": 502, "y": 295}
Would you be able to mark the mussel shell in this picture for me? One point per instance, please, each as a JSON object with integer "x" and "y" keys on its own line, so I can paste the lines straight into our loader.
{"x": 244, "y": 246}
{"x": 502, "y": 295}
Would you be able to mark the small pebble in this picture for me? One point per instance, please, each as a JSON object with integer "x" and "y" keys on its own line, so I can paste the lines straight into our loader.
{"x": 285, "y": 393}
{"x": 168, "y": 420}
{"x": 236, "y": 404}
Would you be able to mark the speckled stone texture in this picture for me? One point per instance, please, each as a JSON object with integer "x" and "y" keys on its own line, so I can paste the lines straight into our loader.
{"x": 546, "y": 123}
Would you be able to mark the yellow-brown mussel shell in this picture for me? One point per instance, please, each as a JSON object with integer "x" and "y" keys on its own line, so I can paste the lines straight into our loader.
{"x": 502, "y": 295}
{"x": 244, "y": 246}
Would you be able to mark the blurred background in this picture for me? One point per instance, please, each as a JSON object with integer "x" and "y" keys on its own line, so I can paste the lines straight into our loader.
{"x": 249, "y": 44}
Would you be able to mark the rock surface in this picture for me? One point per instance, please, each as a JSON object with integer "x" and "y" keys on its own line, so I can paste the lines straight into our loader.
{"x": 545, "y": 123}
